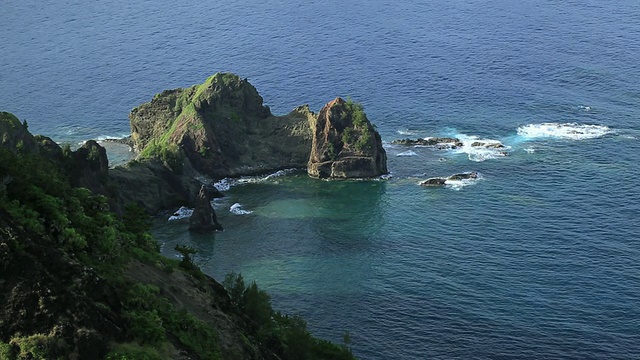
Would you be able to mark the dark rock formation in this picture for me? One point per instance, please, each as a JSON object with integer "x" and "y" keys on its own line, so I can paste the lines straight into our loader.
{"x": 441, "y": 181}
{"x": 222, "y": 128}
{"x": 90, "y": 167}
{"x": 49, "y": 148}
{"x": 15, "y": 136}
{"x": 464, "y": 176}
{"x": 440, "y": 143}
{"x": 488, "y": 145}
{"x": 204, "y": 217}
{"x": 154, "y": 186}
{"x": 345, "y": 144}
{"x": 434, "y": 182}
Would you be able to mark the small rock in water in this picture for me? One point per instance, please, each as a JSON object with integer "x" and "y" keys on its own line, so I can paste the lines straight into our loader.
{"x": 441, "y": 181}
{"x": 433, "y": 182}
{"x": 439, "y": 143}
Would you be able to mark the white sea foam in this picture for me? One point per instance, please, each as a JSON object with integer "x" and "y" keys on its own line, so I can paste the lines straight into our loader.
{"x": 227, "y": 183}
{"x": 407, "y": 153}
{"x": 102, "y": 138}
{"x": 238, "y": 210}
{"x": 182, "y": 213}
{"x": 406, "y": 132}
{"x": 481, "y": 153}
{"x": 457, "y": 185}
{"x": 573, "y": 131}
{"x": 530, "y": 150}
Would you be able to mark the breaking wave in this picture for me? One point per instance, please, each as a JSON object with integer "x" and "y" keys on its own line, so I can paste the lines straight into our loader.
{"x": 103, "y": 138}
{"x": 490, "y": 149}
{"x": 573, "y": 131}
{"x": 227, "y": 183}
{"x": 406, "y": 132}
{"x": 457, "y": 185}
{"x": 407, "y": 153}
{"x": 238, "y": 210}
{"x": 182, "y": 213}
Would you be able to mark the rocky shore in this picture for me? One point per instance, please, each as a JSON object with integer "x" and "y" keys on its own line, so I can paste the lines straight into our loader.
{"x": 81, "y": 276}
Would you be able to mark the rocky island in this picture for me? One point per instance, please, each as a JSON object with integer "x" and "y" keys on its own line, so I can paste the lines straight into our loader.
{"x": 345, "y": 144}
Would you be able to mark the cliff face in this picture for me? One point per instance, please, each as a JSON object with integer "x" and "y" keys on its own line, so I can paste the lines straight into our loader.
{"x": 345, "y": 144}
{"x": 222, "y": 128}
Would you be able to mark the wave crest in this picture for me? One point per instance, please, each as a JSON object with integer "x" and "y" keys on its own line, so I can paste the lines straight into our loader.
{"x": 182, "y": 213}
{"x": 238, "y": 210}
{"x": 572, "y": 131}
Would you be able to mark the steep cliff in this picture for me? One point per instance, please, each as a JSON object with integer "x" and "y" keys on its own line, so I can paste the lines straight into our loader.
{"x": 345, "y": 144}
{"x": 222, "y": 128}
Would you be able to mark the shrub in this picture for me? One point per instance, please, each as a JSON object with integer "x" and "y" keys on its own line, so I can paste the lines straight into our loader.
{"x": 6, "y": 351}
{"x": 39, "y": 347}
{"x": 132, "y": 351}
{"x": 146, "y": 327}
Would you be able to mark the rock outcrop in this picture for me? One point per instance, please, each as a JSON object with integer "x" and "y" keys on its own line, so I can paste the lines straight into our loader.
{"x": 90, "y": 167}
{"x": 15, "y": 136}
{"x": 447, "y": 143}
{"x": 488, "y": 145}
{"x": 154, "y": 186}
{"x": 204, "y": 218}
{"x": 441, "y": 181}
{"x": 440, "y": 143}
{"x": 222, "y": 128}
{"x": 345, "y": 144}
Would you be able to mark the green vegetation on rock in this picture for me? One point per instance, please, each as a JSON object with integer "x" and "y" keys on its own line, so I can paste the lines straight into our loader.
{"x": 361, "y": 126}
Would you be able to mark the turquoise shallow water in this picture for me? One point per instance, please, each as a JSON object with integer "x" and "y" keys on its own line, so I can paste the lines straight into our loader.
{"x": 537, "y": 259}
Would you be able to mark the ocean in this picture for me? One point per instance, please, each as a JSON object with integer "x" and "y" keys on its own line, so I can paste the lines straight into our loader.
{"x": 538, "y": 258}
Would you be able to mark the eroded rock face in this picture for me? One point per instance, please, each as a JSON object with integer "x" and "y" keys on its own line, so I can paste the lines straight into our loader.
{"x": 222, "y": 128}
{"x": 154, "y": 186}
{"x": 345, "y": 144}
{"x": 204, "y": 218}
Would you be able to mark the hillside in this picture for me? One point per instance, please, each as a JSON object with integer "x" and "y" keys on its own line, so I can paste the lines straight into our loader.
{"x": 80, "y": 282}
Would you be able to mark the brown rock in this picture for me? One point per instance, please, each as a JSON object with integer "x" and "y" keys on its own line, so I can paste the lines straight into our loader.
{"x": 345, "y": 144}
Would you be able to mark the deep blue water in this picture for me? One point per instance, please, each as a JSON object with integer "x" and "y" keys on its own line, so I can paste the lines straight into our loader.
{"x": 538, "y": 259}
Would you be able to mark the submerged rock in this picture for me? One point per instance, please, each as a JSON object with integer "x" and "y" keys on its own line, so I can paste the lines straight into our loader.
{"x": 438, "y": 181}
{"x": 204, "y": 218}
{"x": 441, "y": 181}
{"x": 488, "y": 145}
{"x": 345, "y": 144}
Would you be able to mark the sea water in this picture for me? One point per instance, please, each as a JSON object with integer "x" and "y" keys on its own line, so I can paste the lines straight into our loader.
{"x": 537, "y": 258}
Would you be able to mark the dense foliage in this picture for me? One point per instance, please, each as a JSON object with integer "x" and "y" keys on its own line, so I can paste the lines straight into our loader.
{"x": 286, "y": 335}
